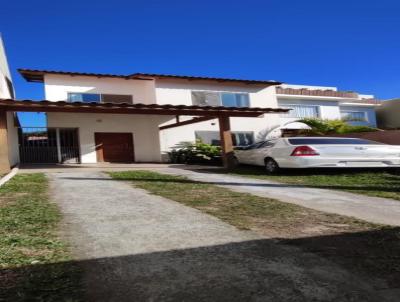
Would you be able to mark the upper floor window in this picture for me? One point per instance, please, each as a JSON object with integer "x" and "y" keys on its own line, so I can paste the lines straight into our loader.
{"x": 84, "y": 97}
{"x": 358, "y": 116}
{"x": 228, "y": 99}
{"x": 302, "y": 111}
{"x": 99, "y": 98}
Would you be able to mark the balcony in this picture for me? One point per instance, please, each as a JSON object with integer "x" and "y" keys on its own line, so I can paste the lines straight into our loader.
{"x": 354, "y": 96}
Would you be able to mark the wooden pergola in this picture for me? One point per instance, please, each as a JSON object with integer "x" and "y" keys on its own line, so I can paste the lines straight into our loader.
{"x": 197, "y": 114}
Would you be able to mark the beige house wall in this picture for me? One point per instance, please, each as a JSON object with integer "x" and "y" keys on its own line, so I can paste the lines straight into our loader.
{"x": 143, "y": 127}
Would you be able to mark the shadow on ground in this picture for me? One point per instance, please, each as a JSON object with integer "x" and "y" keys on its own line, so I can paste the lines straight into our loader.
{"x": 249, "y": 183}
{"x": 389, "y": 178}
{"x": 347, "y": 267}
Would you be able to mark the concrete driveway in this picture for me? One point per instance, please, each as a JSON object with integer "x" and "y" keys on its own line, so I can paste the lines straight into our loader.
{"x": 373, "y": 209}
{"x": 134, "y": 246}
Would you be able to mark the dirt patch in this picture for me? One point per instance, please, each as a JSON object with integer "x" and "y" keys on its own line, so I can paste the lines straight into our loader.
{"x": 8, "y": 199}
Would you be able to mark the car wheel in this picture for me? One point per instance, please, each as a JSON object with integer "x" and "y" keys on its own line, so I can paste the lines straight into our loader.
{"x": 271, "y": 166}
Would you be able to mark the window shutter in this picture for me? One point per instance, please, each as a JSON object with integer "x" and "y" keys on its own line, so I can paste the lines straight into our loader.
{"x": 117, "y": 98}
{"x": 205, "y": 98}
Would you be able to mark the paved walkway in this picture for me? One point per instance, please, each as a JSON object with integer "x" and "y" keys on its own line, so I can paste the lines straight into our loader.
{"x": 134, "y": 246}
{"x": 373, "y": 209}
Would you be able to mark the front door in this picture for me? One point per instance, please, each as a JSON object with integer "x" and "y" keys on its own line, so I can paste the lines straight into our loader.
{"x": 114, "y": 147}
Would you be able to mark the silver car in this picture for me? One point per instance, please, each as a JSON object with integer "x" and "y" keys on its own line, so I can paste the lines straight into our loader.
{"x": 318, "y": 152}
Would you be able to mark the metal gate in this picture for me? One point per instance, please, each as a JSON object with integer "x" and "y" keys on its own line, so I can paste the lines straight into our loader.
{"x": 48, "y": 145}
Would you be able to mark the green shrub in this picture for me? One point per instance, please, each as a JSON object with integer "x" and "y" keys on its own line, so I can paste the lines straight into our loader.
{"x": 322, "y": 127}
{"x": 195, "y": 153}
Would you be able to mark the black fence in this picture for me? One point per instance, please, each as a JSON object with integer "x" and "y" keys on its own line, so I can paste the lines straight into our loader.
{"x": 48, "y": 145}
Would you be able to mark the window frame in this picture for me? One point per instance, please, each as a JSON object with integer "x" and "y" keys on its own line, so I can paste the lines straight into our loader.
{"x": 219, "y": 93}
{"x": 354, "y": 111}
{"x": 70, "y": 93}
{"x": 99, "y": 94}
{"x": 289, "y": 106}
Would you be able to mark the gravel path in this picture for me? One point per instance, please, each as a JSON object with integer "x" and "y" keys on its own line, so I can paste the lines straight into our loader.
{"x": 372, "y": 209}
{"x": 134, "y": 246}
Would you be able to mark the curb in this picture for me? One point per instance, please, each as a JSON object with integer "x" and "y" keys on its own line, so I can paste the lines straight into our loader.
{"x": 8, "y": 176}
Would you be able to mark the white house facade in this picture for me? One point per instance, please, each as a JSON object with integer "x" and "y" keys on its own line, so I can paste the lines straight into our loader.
{"x": 145, "y": 138}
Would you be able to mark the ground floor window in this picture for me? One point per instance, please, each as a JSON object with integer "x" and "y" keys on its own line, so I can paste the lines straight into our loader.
{"x": 239, "y": 138}
{"x": 358, "y": 116}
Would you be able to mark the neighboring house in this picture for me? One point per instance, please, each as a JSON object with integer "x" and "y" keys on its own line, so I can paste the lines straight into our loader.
{"x": 326, "y": 103}
{"x": 388, "y": 114}
{"x": 78, "y": 131}
{"x": 10, "y": 137}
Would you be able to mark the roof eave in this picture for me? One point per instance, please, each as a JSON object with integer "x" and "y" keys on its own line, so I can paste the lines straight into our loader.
{"x": 125, "y": 108}
{"x": 195, "y": 78}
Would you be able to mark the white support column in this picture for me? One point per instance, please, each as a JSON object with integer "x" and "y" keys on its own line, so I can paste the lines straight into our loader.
{"x": 58, "y": 145}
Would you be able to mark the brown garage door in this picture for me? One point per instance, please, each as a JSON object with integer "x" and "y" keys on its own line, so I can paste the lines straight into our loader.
{"x": 114, "y": 147}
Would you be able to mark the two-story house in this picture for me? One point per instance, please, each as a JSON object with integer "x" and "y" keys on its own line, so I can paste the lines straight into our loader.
{"x": 123, "y": 118}
{"x": 87, "y": 118}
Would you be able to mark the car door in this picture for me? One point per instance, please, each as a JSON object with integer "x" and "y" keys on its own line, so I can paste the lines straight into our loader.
{"x": 245, "y": 156}
{"x": 261, "y": 152}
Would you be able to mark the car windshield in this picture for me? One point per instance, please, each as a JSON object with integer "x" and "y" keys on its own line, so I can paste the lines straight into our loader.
{"x": 331, "y": 141}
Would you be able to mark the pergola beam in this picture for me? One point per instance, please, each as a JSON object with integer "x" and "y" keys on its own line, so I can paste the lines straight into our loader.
{"x": 188, "y": 122}
{"x": 155, "y": 109}
{"x": 127, "y": 111}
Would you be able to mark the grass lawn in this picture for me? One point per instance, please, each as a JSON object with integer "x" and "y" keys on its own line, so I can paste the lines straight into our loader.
{"x": 363, "y": 248}
{"x": 244, "y": 211}
{"x": 377, "y": 183}
{"x": 33, "y": 259}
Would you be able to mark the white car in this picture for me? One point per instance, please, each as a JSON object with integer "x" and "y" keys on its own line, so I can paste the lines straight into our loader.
{"x": 318, "y": 152}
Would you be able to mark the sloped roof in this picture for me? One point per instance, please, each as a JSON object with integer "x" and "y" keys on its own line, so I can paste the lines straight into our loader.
{"x": 36, "y": 75}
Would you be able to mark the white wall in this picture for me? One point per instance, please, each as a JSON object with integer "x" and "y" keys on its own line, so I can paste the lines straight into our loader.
{"x": 58, "y": 86}
{"x": 4, "y": 90}
{"x": 179, "y": 93}
{"x": 143, "y": 127}
{"x": 12, "y": 138}
{"x": 4, "y": 72}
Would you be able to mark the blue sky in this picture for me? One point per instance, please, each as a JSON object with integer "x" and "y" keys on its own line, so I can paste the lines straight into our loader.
{"x": 351, "y": 44}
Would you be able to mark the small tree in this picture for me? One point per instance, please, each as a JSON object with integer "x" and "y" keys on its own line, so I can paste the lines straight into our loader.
{"x": 322, "y": 127}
